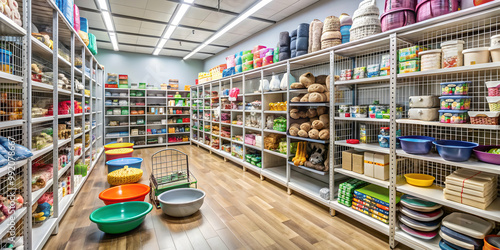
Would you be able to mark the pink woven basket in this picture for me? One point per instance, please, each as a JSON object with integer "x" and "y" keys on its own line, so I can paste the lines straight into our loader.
{"x": 397, "y": 18}
{"x": 399, "y": 4}
{"x": 427, "y": 9}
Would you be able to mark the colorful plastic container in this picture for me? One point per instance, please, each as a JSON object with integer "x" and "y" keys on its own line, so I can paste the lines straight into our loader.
{"x": 493, "y": 102}
{"x": 430, "y": 59}
{"x": 455, "y": 88}
{"x": 118, "y": 145}
{"x": 396, "y": 18}
{"x": 118, "y": 153}
{"x": 482, "y": 154}
{"x": 455, "y": 102}
{"x": 493, "y": 88}
{"x": 427, "y": 9}
{"x": 452, "y": 53}
{"x": 120, "y": 217}
{"x": 416, "y": 144}
{"x": 476, "y": 56}
{"x": 420, "y": 180}
{"x": 453, "y": 116}
{"x": 5, "y": 64}
{"x": 456, "y": 151}
{"x": 124, "y": 193}
{"x": 131, "y": 162}
{"x": 393, "y": 4}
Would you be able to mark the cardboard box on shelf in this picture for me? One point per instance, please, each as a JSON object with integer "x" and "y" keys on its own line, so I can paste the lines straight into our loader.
{"x": 347, "y": 159}
{"x": 368, "y": 164}
{"x": 381, "y": 166}
{"x": 358, "y": 162}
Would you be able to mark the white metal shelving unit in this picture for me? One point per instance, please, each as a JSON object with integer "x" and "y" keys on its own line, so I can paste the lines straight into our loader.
{"x": 475, "y": 26}
{"x": 46, "y": 13}
{"x": 150, "y": 99}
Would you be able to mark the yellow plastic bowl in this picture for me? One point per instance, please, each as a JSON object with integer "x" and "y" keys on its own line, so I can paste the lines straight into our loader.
{"x": 420, "y": 180}
{"x": 118, "y": 145}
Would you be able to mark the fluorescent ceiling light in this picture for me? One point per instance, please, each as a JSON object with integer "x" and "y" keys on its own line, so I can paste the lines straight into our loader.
{"x": 161, "y": 43}
{"x": 157, "y": 51}
{"x": 107, "y": 21}
{"x": 228, "y": 27}
{"x": 178, "y": 16}
{"x": 114, "y": 42}
{"x": 189, "y": 1}
{"x": 102, "y": 4}
{"x": 169, "y": 32}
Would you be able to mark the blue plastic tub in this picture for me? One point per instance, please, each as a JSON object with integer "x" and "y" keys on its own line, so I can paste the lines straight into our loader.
{"x": 454, "y": 150}
{"x": 415, "y": 144}
{"x": 131, "y": 162}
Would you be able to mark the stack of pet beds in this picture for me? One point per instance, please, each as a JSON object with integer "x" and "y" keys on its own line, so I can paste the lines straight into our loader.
{"x": 365, "y": 21}
{"x": 345, "y": 26}
{"x": 284, "y": 44}
{"x": 471, "y": 187}
{"x": 464, "y": 231}
{"x": 293, "y": 43}
{"x": 331, "y": 32}
{"x": 238, "y": 68}
{"x": 346, "y": 191}
{"x": 419, "y": 218}
{"x": 315, "y": 31}
{"x": 373, "y": 201}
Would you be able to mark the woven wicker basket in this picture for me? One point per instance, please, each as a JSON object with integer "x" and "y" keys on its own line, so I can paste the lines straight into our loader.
{"x": 330, "y": 43}
{"x": 364, "y": 31}
{"x": 332, "y": 23}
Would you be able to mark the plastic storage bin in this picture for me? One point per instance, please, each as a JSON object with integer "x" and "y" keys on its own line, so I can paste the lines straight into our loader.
{"x": 112, "y": 146}
{"x": 426, "y": 101}
{"x": 359, "y": 111}
{"x": 495, "y": 53}
{"x": 476, "y": 56}
{"x": 118, "y": 153}
{"x": 493, "y": 102}
{"x": 396, "y": 18}
{"x": 484, "y": 118}
{"x": 455, "y": 88}
{"x": 452, "y": 53}
{"x": 453, "y": 116}
{"x": 131, "y": 162}
{"x": 493, "y": 88}
{"x": 430, "y": 59}
{"x": 455, "y": 102}
{"x": 427, "y": 9}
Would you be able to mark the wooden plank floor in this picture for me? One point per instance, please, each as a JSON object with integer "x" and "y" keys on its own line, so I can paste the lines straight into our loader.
{"x": 240, "y": 212}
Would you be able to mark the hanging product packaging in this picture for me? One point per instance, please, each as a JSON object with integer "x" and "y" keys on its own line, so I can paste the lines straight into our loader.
{"x": 274, "y": 85}
{"x": 264, "y": 86}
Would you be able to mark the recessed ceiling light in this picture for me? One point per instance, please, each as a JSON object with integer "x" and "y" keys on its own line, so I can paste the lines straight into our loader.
{"x": 231, "y": 25}
{"x": 107, "y": 21}
{"x": 102, "y": 4}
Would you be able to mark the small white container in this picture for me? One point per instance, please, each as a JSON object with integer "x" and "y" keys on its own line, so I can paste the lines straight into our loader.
{"x": 495, "y": 53}
{"x": 428, "y": 101}
{"x": 452, "y": 54}
{"x": 495, "y": 41}
{"x": 476, "y": 56}
{"x": 424, "y": 114}
{"x": 430, "y": 59}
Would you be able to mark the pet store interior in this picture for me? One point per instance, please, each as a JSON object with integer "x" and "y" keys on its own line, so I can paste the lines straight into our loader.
{"x": 249, "y": 124}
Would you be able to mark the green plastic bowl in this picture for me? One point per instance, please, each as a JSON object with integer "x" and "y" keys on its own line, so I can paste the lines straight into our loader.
{"x": 120, "y": 217}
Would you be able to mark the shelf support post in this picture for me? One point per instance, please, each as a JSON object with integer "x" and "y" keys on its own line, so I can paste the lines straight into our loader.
{"x": 331, "y": 146}
{"x": 393, "y": 127}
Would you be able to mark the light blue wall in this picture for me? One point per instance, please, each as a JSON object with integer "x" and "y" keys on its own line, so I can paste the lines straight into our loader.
{"x": 150, "y": 69}
{"x": 269, "y": 36}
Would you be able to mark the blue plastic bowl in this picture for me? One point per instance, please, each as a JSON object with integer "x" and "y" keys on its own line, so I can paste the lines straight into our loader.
{"x": 131, "y": 162}
{"x": 454, "y": 150}
{"x": 415, "y": 144}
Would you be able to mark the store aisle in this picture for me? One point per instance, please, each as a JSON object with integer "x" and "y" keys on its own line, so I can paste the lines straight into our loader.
{"x": 240, "y": 211}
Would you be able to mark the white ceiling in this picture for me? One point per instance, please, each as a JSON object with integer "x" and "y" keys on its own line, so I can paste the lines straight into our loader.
{"x": 139, "y": 24}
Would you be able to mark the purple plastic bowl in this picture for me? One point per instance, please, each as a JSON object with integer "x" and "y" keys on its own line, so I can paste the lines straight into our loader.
{"x": 394, "y": 4}
{"x": 397, "y": 18}
{"x": 427, "y": 9}
{"x": 482, "y": 154}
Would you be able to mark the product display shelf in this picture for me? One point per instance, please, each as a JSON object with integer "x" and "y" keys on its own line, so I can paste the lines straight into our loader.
{"x": 449, "y": 125}
{"x": 360, "y": 217}
{"x": 307, "y": 186}
{"x": 277, "y": 174}
{"x": 362, "y": 177}
{"x": 417, "y": 243}
{"x": 466, "y": 24}
{"x": 308, "y": 169}
{"x": 362, "y": 119}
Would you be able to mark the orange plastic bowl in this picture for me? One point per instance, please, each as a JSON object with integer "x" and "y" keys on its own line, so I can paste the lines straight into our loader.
{"x": 124, "y": 193}
{"x": 118, "y": 145}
